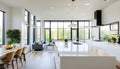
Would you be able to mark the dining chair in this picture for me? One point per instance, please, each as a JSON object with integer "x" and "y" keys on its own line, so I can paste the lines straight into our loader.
{"x": 118, "y": 67}
{"x": 23, "y": 53}
{"x": 7, "y": 60}
{"x": 18, "y": 55}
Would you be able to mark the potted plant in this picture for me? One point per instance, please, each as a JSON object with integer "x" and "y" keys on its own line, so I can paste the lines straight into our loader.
{"x": 113, "y": 40}
{"x": 118, "y": 38}
{"x": 14, "y": 36}
{"x": 66, "y": 41}
{"x": 109, "y": 39}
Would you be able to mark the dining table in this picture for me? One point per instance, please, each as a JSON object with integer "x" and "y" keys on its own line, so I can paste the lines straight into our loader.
{"x": 4, "y": 51}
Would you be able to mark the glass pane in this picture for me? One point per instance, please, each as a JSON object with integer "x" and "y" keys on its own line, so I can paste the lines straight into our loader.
{"x": 114, "y": 27}
{"x": 54, "y": 33}
{"x": 38, "y": 31}
{"x": 86, "y": 33}
{"x": 26, "y": 16}
{"x": 1, "y": 26}
{"x": 81, "y": 34}
{"x": 25, "y": 34}
{"x": 60, "y": 34}
{"x": 53, "y": 24}
{"x": 81, "y": 24}
{"x": 47, "y": 34}
{"x": 86, "y": 23}
{"x": 74, "y": 24}
{"x": 32, "y": 19}
{"x": 38, "y": 24}
{"x": 67, "y": 33}
{"x": 74, "y": 34}
{"x": 47, "y": 24}
{"x": 66, "y": 24}
{"x": 105, "y": 31}
{"x": 60, "y": 24}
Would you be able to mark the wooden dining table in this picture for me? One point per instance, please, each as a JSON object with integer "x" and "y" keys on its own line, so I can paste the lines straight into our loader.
{"x": 4, "y": 51}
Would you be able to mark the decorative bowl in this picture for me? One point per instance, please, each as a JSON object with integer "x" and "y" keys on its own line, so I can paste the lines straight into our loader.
{"x": 8, "y": 47}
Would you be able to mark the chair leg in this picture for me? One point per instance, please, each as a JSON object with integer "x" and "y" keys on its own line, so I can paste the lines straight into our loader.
{"x": 21, "y": 60}
{"x": 12, "y": 65}
{"x": 17, "y": 63}
{"x": 2, "y": 66}
{"x": 118, "y": 67}
{"x": 7, "y": 66}
{"x": 24, "y": 57}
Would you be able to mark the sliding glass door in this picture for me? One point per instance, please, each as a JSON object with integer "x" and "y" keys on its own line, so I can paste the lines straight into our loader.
{"x": 47, "y": 34}
{"x": 67, "y": 29}
{"x": 74, "y": 34}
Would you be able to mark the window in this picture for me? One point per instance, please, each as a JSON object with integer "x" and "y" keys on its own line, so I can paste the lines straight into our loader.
{"x": 26, "y": 27}
{"x": 32, "y": 20}
{"x": 38, "y": 30}
{"x": 47, "y": 31}
{"x": 109, "y": 30}
{"x": 67, "y": 30}
{"x": 84, "y": 30}
{"x": 2, "y": 30}
{"x": 54, "y": 30}
{"x": 105, "y": 32}
{"x": 60, "y": 29}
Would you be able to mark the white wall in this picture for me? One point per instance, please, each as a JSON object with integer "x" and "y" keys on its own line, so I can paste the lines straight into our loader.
{"x": 6, "y": 9}
{"x": 111, "y": 13}
{"x": 16, "y": 18}
{"x": 18, "y": 22}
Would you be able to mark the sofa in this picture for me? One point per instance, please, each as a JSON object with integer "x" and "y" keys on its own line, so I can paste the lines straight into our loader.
{"x": 37, "y": 46}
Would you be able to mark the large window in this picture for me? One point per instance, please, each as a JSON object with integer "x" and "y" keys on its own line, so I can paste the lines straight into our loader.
{"x": 38, "y": 30}
{"x": 109, "y": 30}
{"x": 105, "y": 32}
{"x": 26, "y": 27}
{"x": 33, "y": 26}
{"x": 84, "y": 30}
{"x": 2, "y": 37}
{"x": 54, "y": 30}
{"x": 62, "y": 29}
{"x": 47, "y": 31}
{"x": 67, "y": 30}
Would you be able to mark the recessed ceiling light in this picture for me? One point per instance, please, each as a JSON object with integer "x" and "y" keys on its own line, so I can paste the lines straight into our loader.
{"x": 86, "y": 4}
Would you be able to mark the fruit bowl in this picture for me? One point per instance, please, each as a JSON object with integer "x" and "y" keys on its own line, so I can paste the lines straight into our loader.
{"x": 8, "y": 47}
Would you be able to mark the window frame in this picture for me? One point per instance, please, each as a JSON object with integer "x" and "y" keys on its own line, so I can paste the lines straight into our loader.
{"x": 77, "y": 28}
{"x": 3, "y": 28}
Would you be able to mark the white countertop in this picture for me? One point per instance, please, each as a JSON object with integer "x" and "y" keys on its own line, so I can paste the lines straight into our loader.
{"x": 79, "y": 50}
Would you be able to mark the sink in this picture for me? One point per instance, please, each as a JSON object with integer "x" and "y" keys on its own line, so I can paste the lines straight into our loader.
{"x": 98, "y": 40}
{"x": 77, "y": 43}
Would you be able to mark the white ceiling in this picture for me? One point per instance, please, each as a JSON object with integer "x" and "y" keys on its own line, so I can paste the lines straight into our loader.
{"x": 60, "y": 9}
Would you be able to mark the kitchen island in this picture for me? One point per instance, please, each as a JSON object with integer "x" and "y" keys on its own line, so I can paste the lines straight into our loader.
{"x": 82, "y": 56}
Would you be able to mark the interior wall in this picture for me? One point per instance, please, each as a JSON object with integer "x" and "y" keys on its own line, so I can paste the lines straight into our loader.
{"x": 16, "y": 18}
{"x": 111, "y": 13}
{"x": 6, "y": 9}
{"x": 18, "y": 22}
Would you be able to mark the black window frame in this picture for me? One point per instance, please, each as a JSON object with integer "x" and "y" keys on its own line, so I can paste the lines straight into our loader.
{"x": 70, "y": 28}
{"x": 109, "y": 24}
{"x": 3, "y": 28}
{"x": 34, "y": 32}
{"x": 28, "y": 27}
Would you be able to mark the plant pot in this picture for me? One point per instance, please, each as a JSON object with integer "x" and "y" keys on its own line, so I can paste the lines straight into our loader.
{"x": 66, "y": 43}
{"x": 113, "y": 41}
